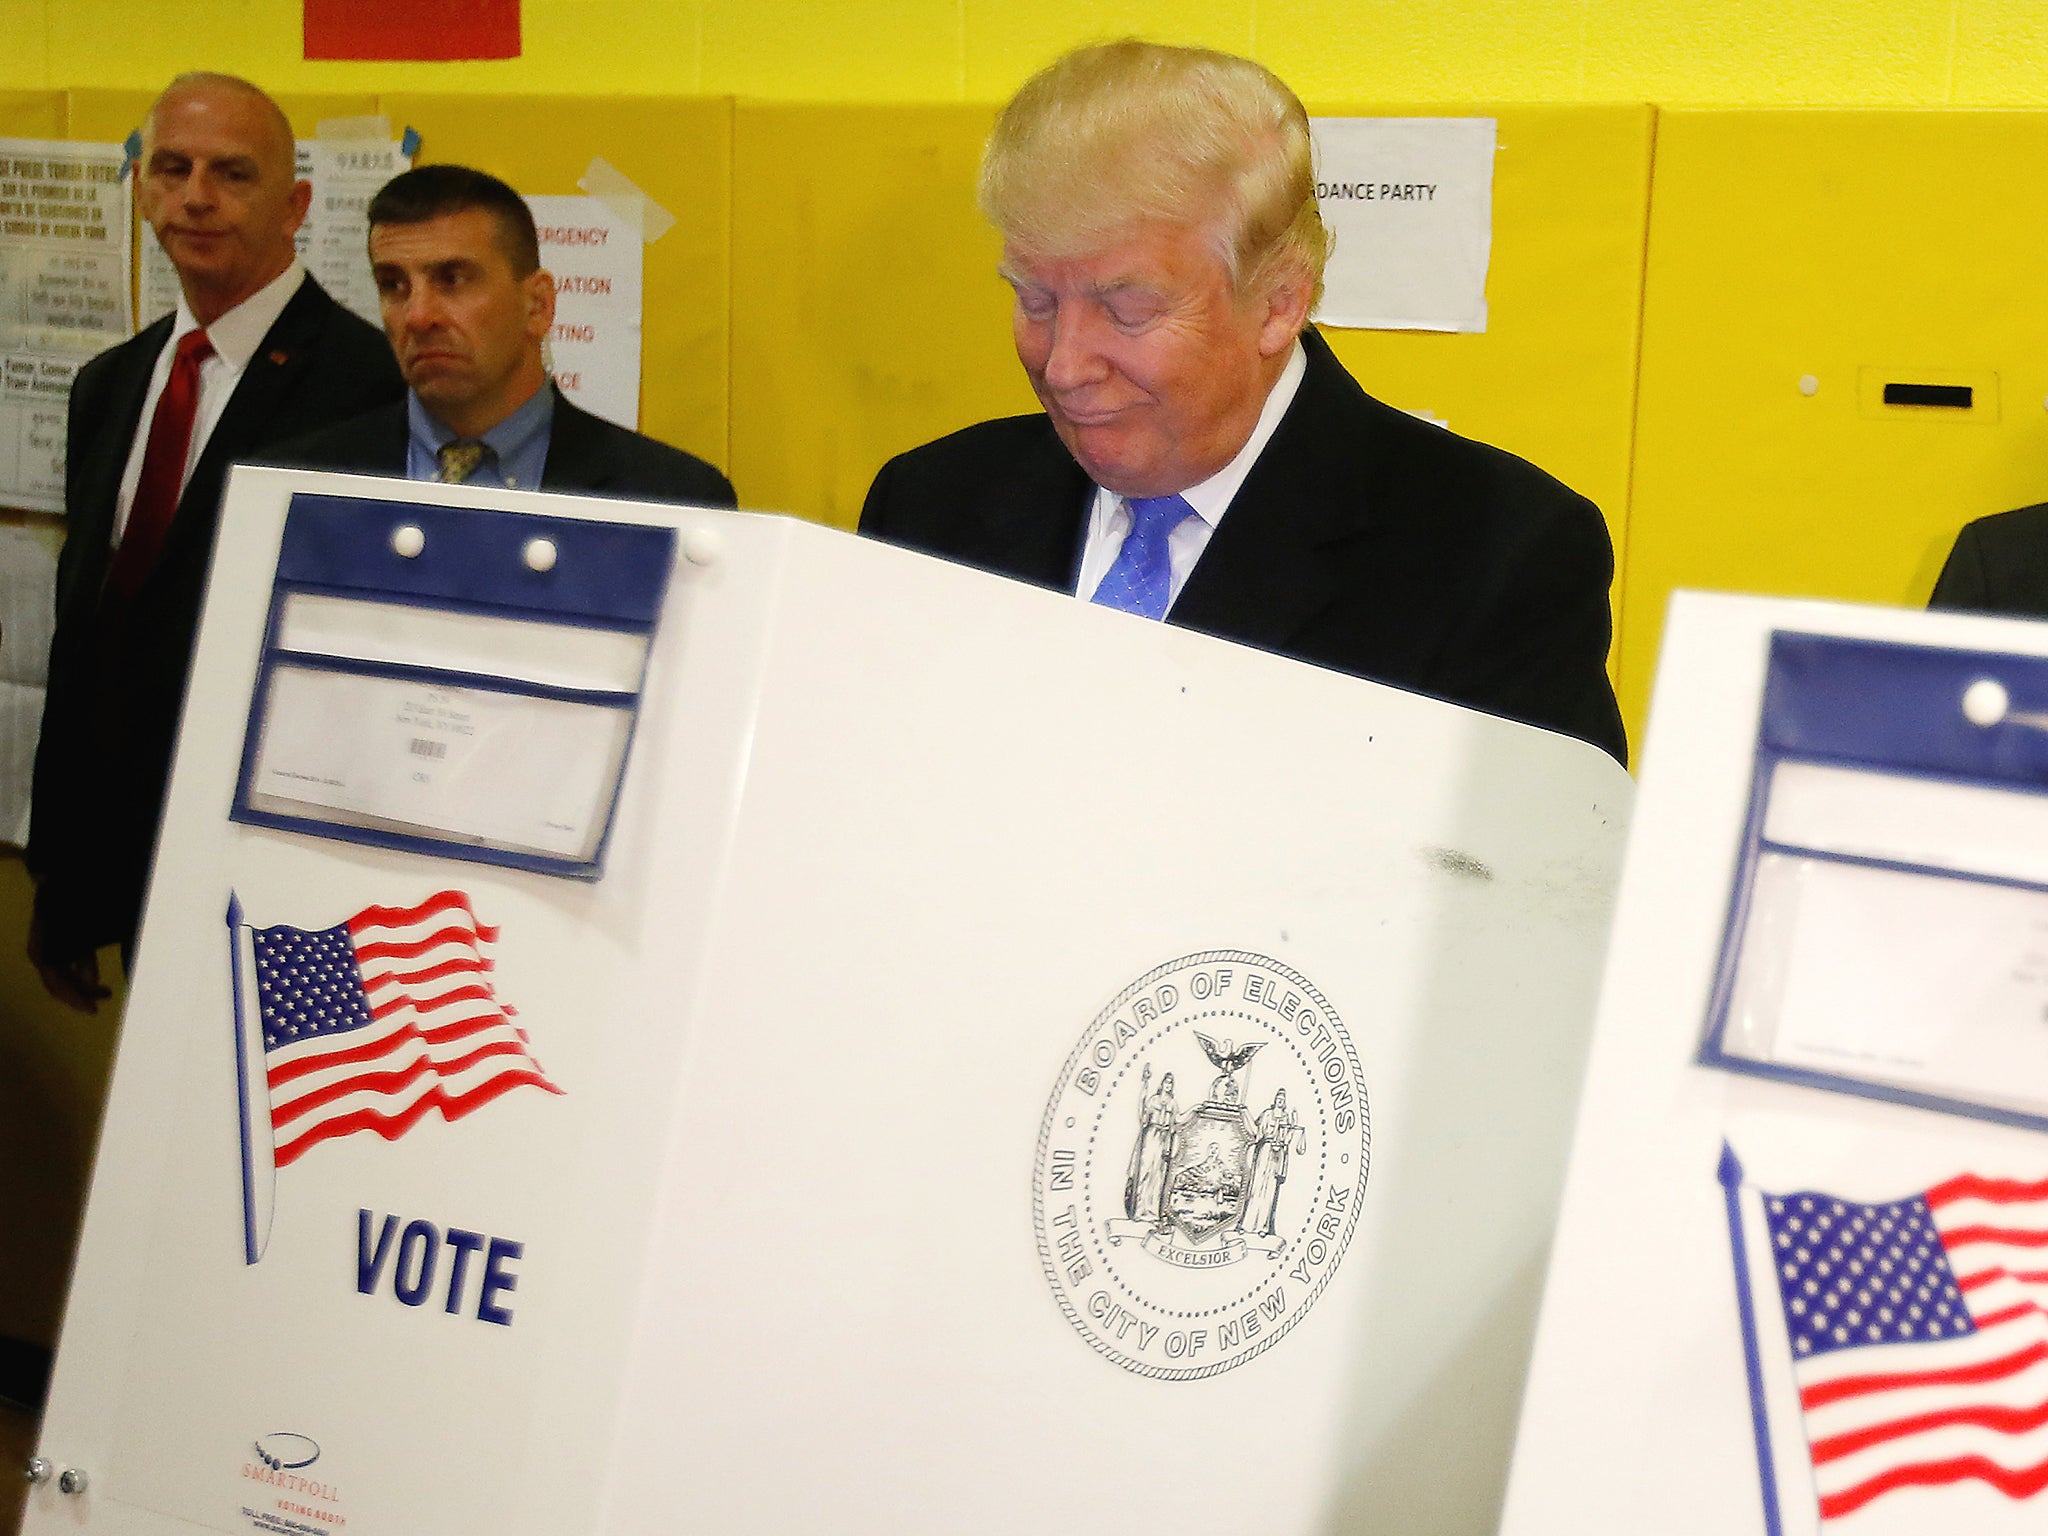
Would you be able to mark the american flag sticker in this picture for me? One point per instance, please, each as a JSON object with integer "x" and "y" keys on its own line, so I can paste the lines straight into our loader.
{"x": 370, "y": 1025}
{"x": 1907, "y": 1342}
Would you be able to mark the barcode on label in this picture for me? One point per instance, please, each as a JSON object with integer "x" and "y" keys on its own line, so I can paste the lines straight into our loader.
{"x": 421, "y": 747}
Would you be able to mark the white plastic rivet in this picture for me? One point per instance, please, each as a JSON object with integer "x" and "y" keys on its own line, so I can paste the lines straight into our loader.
{"x": 1985, "y": 702}
{"x": 701, "y": 546}
{"x": 1809, "y": 385}
{"x": 540, "y": 554}
{"x": 407, "y": 540}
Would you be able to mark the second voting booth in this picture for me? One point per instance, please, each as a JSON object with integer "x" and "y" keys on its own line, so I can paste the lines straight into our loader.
{"x": 1800, "y": 1283}
{"x": 656, "y": 1020}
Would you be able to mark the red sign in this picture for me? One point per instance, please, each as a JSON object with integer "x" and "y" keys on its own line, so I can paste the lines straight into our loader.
{"x": 408, "y": 29}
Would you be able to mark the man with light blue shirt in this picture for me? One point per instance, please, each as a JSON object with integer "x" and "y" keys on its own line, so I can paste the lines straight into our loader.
{"x": 467, "y": 307}
{"x": 514, "y": 451}
{"x": 1202, "y": 456}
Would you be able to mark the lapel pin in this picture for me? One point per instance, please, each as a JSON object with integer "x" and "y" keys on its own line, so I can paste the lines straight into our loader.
{"x": 280, "y": 358}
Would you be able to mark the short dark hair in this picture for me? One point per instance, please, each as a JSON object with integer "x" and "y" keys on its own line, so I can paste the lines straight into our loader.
{"x": 435, "y": 191}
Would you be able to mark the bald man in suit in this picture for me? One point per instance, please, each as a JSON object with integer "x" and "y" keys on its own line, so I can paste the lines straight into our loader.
{"x": 255, "y": 353}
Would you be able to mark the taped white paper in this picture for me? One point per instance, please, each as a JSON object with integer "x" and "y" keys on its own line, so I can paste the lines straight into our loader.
{"x": 28, "y": 581}
{"x": 1410, "y": 201}
{"x": 63, "y": 298}
{"x": 595, "y": 256}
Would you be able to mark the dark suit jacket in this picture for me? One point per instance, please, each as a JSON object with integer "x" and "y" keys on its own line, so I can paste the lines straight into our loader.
{"x": 111, "y": 714}
{"x": 586, "y": 455}
{"x": 1999, "y": 565}
{"x": 1363, "y": 540}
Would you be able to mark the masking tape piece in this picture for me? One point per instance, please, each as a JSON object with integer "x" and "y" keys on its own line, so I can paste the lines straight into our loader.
{"x": 331, "y": 130}
{"x": 612, "y": 187}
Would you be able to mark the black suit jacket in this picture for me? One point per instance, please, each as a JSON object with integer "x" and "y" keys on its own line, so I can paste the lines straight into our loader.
{"x": 1363, "y": 540}
{"x": 1999, "y": 565}
{"x": 586, "y": 455}
{"x": 111, "y": 714}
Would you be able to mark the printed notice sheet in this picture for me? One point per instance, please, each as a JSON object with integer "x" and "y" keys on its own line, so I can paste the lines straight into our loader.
{"x": 28, "y": 583}
{"x": 346, "y": 173}
{"x": 1410, "y": 201}
{"x": 63, "y": 298}
{"x": 595, "y": 256}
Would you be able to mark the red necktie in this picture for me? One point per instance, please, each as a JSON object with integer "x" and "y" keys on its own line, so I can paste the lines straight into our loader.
{"x": 163, "y": 471}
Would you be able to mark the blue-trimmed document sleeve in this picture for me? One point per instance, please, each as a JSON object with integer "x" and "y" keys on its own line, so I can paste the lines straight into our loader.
{"x": 1887, "y": 930}
{"x": 451, "y": 680}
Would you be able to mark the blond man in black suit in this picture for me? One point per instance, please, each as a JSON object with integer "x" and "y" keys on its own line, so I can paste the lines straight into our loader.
{"x": 1202, "y": 456}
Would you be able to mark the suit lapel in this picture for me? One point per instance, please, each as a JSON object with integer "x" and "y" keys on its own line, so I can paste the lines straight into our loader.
{"x": 284, "y": 354}
{"x": 1016, "y": 534}
{"x": 575, "y": 461}
{"x": 1268, "y": 569}
{"x": 126, "y": 393}
{"x": 391, "y": 449}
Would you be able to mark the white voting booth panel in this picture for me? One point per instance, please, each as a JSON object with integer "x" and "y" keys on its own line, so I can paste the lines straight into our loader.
{"x": 863, "y": 1201}
{"x": 1788, "y": 1295}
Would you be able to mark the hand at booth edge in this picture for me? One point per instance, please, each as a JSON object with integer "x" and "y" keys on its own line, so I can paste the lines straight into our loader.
{"x": 73, "y": 981}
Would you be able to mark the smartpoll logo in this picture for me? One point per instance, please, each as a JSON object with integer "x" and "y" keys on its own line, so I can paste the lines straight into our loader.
{"x": 1201, "y": 1165}
{"x": 284, "y": 1451}
{"x": 369, "y": 1025}
{"x": 289, "y": 1500}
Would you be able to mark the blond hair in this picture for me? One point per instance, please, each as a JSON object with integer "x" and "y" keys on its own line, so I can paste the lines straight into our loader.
{"x": 1120, "y": 135}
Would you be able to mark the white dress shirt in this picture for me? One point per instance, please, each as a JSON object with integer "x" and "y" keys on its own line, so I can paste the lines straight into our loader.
{"x": 235, "y": 336}
{"x": 1110, "y": 517}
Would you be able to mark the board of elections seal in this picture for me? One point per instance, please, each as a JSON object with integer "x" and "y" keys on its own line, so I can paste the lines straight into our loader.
{"x": 1201, "y": 1165}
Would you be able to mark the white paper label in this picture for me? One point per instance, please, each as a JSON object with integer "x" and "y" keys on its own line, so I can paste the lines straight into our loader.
{"x": 1920, "y": 981}
{"x": 472, "y": 765}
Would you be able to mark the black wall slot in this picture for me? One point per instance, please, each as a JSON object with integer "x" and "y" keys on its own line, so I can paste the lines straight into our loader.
{"x": 1955, "y": 397}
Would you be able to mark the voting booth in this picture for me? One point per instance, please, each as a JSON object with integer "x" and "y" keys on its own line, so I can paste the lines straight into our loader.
{"x": 1800, "y": 1282}
{"x": 663, "y": 1020}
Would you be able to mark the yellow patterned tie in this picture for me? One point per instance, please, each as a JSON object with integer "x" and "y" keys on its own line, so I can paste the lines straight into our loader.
{"x": 459, "y": 459}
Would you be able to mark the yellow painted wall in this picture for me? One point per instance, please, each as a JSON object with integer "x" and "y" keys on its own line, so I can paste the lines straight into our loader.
{"x": 1733, "y": 52}
{"x": 1846, "y": 250}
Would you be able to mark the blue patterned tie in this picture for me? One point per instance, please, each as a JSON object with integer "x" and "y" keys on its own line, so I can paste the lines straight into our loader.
{"x": 1140, "y": 580}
